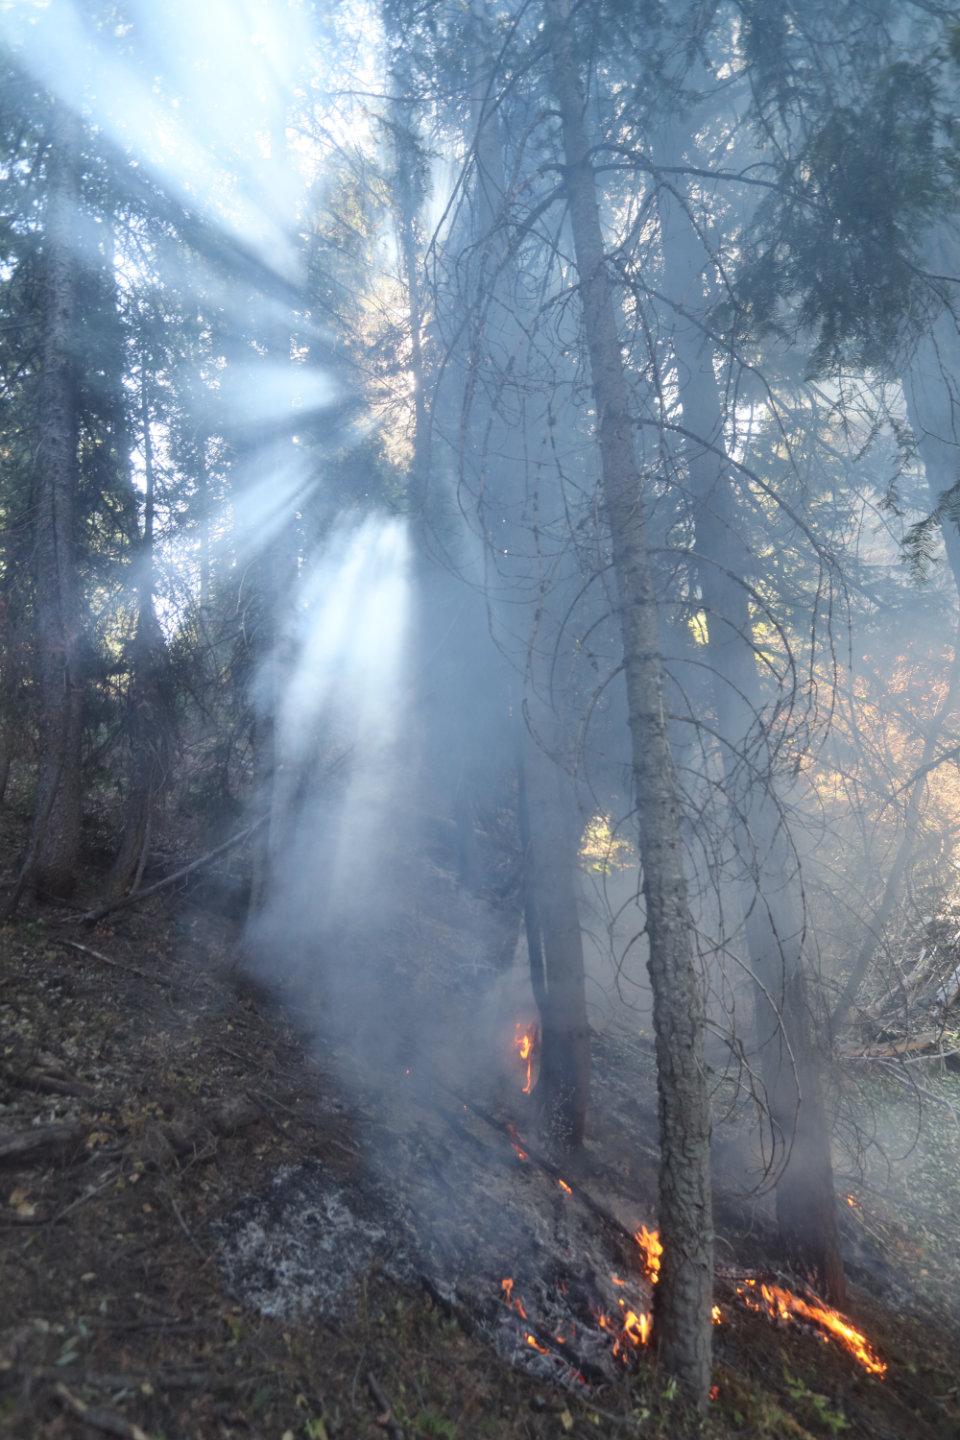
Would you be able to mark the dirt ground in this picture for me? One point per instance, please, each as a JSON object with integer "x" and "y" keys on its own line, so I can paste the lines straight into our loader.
{"x": 177, "y": 1090}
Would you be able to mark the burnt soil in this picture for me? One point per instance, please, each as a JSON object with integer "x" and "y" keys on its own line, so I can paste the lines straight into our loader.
{"x": 188, "y": 1093}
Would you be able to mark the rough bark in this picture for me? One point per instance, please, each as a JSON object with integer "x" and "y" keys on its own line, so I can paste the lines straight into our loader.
{"x": 54, "y": 845}
{"x": 683, "y": 1295}
{"x": 769, "y": 882}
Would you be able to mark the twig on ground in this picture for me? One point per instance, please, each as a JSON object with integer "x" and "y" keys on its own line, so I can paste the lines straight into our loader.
{"x": 386, "y": 1419}
{"x": 116, "y": 964}
{"x": 104, "y": 1420}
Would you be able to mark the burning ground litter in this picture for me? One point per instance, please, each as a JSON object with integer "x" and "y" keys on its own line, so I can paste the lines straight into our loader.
{"x": 457, "y": 1200}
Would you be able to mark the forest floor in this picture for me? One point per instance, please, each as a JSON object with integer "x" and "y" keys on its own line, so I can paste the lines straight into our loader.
{"x": 177, "y": 1091}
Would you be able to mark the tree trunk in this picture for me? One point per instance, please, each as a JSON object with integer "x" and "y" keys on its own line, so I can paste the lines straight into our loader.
{"x": 769, "y": 880}
{"x": 549, "y": 819}
{"x": 683, "y": 1296}
{"x": 147, "y": 717}
{"x": 555, "y": 942}
{"x": 54, "y": 846}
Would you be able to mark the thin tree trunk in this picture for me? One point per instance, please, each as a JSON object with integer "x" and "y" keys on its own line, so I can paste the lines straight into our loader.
{"x": 789, "y": 1064}
{"x": 148, "y": 722}
{"x": 549, "y": 819}
{"x": 683, "y": 1296}
{"x": 54, "y": 848}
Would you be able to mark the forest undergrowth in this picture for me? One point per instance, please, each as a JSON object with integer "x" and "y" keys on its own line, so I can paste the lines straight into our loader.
{"x": 176, "y": 1088}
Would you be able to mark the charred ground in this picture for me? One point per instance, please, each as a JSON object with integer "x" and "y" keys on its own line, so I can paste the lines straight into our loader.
{"x": 183, "y": 1094}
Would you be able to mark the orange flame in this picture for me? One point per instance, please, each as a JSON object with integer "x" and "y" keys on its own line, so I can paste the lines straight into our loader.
{"x": 534, "y": 1344}
{"x": 716, "y": 1316}
{"x": 781, "y": 1304}
{"x": 524, "y": 1040}
{"x": 649, "y": 1242}
{"x": 507, "y": 1287}
{"x": 565, "y": 1187}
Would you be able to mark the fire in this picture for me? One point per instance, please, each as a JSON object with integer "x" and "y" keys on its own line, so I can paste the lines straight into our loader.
{"x": 507, "y": 1287}
{"x": 515, "y": 1139}
{"x": 637, "y": 1327}
{"x": 649, "y": 1242}
{"x": 524, "y": 1041}
{"x": 716, "y": 1316}
{"x": 567, "y": 1189}
{"x": 534, "y": 1344}
{"x": 781, "y": 1304}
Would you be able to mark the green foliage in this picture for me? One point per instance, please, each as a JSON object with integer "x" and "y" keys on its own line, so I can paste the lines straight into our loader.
{"x": 836, "y": 249}
{"x": 818, "y": 1406}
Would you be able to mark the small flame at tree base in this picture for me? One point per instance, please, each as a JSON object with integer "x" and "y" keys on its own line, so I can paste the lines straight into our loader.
{"x": 525, "y": 1041}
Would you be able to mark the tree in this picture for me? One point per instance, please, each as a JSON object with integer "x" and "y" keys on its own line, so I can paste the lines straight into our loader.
{"x": 53, "y": 850}
{"x": 684, "y": 1293}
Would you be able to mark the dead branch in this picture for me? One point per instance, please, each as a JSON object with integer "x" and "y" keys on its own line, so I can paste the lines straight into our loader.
{"x": 917, "y": 1045}
{"x": 116, "y": 964}
{"x": 104, "y": 1420}
{"x": 136, "y": 897}
{"x": 26, "y": 1146}
{"x": 44, "y": 1083}
{"x": 386, "y": 1419}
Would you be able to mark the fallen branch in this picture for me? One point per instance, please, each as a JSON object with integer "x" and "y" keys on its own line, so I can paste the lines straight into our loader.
{"x": 116, "y": 964}
{"x": 386, "y": 1419}
{"x": 103, "y": 1420}
{"x": 29, "y": 1145}
{"x": 916, "y": 1045}
{"x": 136, "y": 897}
{"x": 46, "y": 1084}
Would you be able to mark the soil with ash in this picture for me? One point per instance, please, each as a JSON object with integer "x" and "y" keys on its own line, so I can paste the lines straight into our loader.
{"x": 209, "y": 1230}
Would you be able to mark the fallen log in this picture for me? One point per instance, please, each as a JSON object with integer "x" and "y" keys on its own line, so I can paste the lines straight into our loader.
{"x": 46, "y": 1083}
{"x": 25, "y": 1146}
{"x": 103, "y": 1420}
{"x": 136, "y": 897}
{"x": 893, "y": 1049}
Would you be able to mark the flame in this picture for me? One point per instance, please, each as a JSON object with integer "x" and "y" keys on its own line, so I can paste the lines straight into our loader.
{"x": 781, "y": 1304}
{"x": 853, "y": 1202}
{"x": 565, "y": 1187}
{"x": 618, "y": 1280}
{"x": 716, "y": 1316}
{"x": 507, "y": 1287}
{"x": 649, "y": 1242}
{"x": 524, "y": 1041}
{"x": 518, "y": 1149}
{"x": 534, "y": 1344}
{"x": 714, "y": 1392}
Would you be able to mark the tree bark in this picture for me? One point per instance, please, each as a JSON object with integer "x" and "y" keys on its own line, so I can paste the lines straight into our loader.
{"x": 147, "y": 713}
{"x": 549, "y": 818}
{"x": 769, "y": 881}
{"x": 54, "y": 846}
{"x": 683, "y": 1296}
